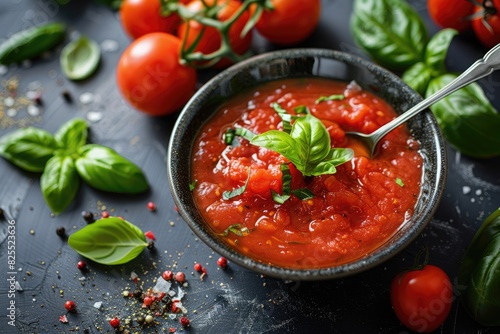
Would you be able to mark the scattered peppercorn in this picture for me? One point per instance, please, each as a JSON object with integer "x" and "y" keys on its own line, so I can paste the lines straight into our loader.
{"x": 70, "y": 305}
{"x": 115, "y": 322}
{"x": 151, "y": 206}
{"x": 184, "y": 321}
{"x": 105, "y": 214}
{"x": 1, "y": 214}
{"x": 149, "y": 319}
{"x": 61, "y": 231}
{"x": 88, "y": 217}
{"x": 140, "y": 320}
{"x": 137, "y": 293}
{"x": 167, "y": 275}
{"x": 67, "y": 96}
{"x": 151, "y": 245}
{"x": 222, "y": 262}
{"x": 148, "y": 301}
{"x": 197, "y": 267}
{"x": 81, "y": 265}
{"x": 180, "y": 277}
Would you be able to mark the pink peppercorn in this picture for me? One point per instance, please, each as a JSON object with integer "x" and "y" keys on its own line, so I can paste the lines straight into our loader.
{"x": 115, "y": 322}
{"x": 148, "y": 301}
{"x": 167, "y": 275}
{"x": 105, "y": 214}
{"x": 70, "y": 305}
{"x": 197, "y": 267}
{"x": 151, "y": 206}
{"x": 184, "y": 321}
{"x": 222, "y": 262}
{"x": 180, "y": 277}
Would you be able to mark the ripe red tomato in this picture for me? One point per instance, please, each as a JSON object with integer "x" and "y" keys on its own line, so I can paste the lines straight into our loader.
{"x": 139, "y": 17}
{"x": 487, "y": 28}
{"x": 422, "y": 298}
{"x": 150, "y": 76}
{"x": 451, "y": 13}
{"x": 211, "y": 39}
{"x": 290, "y": 21}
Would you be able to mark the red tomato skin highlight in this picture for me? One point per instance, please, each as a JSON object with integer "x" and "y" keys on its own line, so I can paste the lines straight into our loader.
{"x": 422, "y": 298}
{"x": 451, "y": 14}
{"x": 290, "y": 22}
{"x": 150, "y": 76}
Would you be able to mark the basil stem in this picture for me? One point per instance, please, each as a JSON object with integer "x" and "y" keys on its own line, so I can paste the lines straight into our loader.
{"x": 109, "y": 241}
{"x": 59, "y": 182}
{"x": 80, "y": 58}
{"x": 30, "y": 43}
{"x": 104, "y": 169}
{"x": 72, "y": 135}
{"x": 479, "y": 274}
{"x": 467, "y": 119}
{"x": 28, "y": 148}
{"x": 236, "y": 229}
{"x": 390, "y": 31}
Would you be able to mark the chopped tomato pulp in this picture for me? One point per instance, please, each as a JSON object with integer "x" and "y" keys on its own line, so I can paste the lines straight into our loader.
{"x": 352, "y": 212}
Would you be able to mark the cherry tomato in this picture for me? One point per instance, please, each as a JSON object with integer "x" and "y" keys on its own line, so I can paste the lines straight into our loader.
{"x": 211, "y": 39}
{"x": 140, "y": 17}
{"x": 487, "y": 27}
{"x": 422, "y": 298}
{"x": 290, "y": 21}
{"x": 150, "y": 76}
{"x": 451, "y": 13}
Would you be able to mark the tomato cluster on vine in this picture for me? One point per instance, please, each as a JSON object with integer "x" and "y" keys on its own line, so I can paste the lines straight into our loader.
{"x": 482, "y": 16}
{"x": 172, "y": 38}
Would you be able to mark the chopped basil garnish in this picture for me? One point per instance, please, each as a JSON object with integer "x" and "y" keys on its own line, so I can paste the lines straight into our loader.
{"x": 329, "y": 98}
{"x": 399, "y": 182}
{"x": 301, "y": 110}
{"x": 236, "y": 192}
{"x": 237, "y": 229}
{"x": 192, "y": 185}
{"x": 303, "y": 193}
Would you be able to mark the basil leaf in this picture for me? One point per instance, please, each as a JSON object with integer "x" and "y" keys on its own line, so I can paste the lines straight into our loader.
{"x": 435, "y": 53}
{"x": 236, "y": 229}
{"x": 59, "y": 182}
{"x": 313, "y": 141}
{"x": 467, "y": 119}
{"x": 80, "y": 58}
{"x": 418, "y": 77}
{"x": 390, "y": 31}
{"x": 109, "y": 241}
{"x": 244, "y": 133}
{"x": 479, "y": 274}
{"x": 280, "y": 142}
{"x": 329, "y": 98}
{"x": 72, "y": 135}
{"x": 303, "y": 193}
{"x": 104, "y": 169}
{"x": 286, "y": 181}
{"x": 238, "y": 191}
{"x": 28, "y": 148}
{"x": 285, "y": 118}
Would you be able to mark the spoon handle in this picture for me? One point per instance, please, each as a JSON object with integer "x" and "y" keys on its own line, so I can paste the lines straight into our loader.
{"x": 481, "y": 68}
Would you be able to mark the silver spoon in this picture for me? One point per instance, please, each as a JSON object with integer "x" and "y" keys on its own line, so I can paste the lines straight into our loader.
{"x": 481, "y": 68}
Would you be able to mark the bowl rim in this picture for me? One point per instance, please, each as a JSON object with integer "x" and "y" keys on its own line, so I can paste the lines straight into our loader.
{"x": 361, "y": 264}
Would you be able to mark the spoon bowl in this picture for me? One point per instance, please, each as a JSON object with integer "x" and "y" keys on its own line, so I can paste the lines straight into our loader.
{"x": 479, "y": 69}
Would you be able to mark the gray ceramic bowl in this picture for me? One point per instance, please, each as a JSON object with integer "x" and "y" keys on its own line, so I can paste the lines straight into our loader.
{"x": 303, "y": 63}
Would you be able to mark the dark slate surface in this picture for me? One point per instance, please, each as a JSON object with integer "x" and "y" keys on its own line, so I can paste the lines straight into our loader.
{"x": 231, "y": 301}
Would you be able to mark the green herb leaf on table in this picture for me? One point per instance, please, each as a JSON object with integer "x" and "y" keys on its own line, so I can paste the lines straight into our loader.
{"x": 104, "y": 169}
{"x": 72, "y": 135}
{"x": 29, "y": 148}
{"x": 31, "y": 42}
{"x": 418, "y": 77}
{"x": 109, "y": 241}
{"x": 437, "y": 49}
{"x": 479, "y": 274}
{"x": 467, "y": 119}
{"x": 390, "y": 31}
{"x": 80, "y": 58}
{"x": 59, "y": 182}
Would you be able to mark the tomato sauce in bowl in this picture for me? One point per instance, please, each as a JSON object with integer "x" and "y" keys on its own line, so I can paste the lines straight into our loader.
{"x": 352, "y": 212}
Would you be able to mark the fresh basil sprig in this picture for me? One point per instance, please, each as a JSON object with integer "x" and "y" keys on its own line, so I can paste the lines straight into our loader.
{"x": 109, "y": 241}
{"x": 467, "y": 119}
{"x": 104, "y": 169}
{"x": 287, "y": 191}
{"x": 307, "y": 146}
{"x": 29, "y": 148}
{"x": 390, "y": 31}
{"x": 64, "y": 158}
